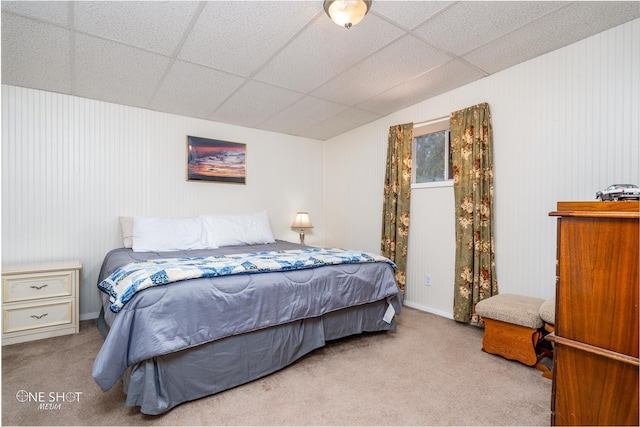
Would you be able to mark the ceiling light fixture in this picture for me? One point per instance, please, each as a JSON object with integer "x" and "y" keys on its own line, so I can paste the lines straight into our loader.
{"x": 347, "y": 13}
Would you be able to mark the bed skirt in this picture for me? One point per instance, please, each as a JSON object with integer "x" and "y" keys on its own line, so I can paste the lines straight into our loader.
{"x": 159, "y": 384}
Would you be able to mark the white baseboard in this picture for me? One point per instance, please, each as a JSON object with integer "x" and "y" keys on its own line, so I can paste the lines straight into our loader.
{"x": 429, "y": 310}
{"x": 89, "y": 316}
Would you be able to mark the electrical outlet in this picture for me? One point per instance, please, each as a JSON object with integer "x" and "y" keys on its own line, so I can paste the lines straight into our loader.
{"x": 427, "y": 280}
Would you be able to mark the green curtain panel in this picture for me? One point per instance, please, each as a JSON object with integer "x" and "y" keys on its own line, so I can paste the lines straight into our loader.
{"x": 472, "y": 151}
{"x": 397, "y": 198}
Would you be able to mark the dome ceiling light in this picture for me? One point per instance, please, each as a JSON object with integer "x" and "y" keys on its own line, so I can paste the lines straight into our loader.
{"x": 347, "y": 13}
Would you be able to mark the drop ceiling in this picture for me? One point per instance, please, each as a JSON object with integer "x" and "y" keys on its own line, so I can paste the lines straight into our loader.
{"x": 282, "y": 66}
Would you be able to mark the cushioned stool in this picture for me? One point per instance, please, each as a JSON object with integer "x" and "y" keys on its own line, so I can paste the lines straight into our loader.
{"x": 548, "y": 316}
{"x": 512, "y": 327}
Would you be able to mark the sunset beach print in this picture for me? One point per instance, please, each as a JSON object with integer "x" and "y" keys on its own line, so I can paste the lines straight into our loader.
{"x": 215, "y": 160}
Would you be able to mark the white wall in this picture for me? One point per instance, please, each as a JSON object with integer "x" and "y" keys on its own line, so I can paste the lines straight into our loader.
{"x": 71, "y": 166}
{"x": 566, "y": 124}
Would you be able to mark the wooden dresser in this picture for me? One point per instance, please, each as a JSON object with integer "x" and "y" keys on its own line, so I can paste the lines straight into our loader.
{"x": 595, "y": 375}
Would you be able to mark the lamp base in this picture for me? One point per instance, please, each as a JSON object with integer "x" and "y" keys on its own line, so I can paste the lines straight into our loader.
{"x": 302, "y": 237}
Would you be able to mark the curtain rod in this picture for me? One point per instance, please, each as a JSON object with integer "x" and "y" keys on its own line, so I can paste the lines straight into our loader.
{"x": 429, "y": 122}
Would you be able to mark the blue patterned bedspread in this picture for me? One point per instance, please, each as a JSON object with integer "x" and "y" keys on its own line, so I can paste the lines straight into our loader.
{"x": 123, "y": 284}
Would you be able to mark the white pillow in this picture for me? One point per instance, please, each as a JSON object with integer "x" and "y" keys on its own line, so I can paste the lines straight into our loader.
{"x": 233, "y": 230}
{"x": 168, "y": 234}
{"x": 126, "y": 224}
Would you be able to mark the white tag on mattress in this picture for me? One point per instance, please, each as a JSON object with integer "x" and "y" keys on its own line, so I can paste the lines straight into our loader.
{"x": 388, "y": 315}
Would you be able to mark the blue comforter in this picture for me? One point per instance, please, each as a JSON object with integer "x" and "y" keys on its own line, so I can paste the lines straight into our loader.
{"x": 126, "y": 281}
{"x": 176, "y": 316}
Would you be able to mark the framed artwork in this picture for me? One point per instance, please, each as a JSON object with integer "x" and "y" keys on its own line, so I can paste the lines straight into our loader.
{"x": 215, "y": 160}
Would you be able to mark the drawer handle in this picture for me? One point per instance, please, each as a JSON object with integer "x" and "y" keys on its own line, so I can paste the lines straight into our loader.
{"x": 39, "y": 317}
{"x": 37, "y": 288}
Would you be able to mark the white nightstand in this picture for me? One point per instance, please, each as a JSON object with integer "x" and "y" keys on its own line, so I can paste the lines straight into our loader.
{"x": 39, "y": 301}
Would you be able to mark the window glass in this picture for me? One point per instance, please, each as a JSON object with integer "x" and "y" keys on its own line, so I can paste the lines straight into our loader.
{"x": 430, "y": 157}
{"x": 432, "y": 154}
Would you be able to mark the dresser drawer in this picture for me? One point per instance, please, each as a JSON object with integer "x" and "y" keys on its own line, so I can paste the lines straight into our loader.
{"x": 21, "y": 317}
{"x": 32, "y": 286}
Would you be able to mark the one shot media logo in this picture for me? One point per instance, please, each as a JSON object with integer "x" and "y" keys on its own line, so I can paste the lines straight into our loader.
{"x": 52, "y": 400}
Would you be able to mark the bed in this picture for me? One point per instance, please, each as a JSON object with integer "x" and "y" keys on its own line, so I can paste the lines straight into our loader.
{"x": 184, "y": 340}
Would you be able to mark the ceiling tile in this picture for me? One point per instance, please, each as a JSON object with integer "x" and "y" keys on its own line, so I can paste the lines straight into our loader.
{"x": 408, "y": 14}
{"x": 254, "y": 103}
{"x": 227, "y": 30}
{"x": 324, "y": 50}
{"x": 126, "y": 75}
{"x": 56, "y": 12}
{"x": 340, "y": 123}
{"x": 161, "y": 30}
{"x": 193, "y": 90}
{"x": 255, "y": 62}
{"x": 490, "y": 21}
{"x": 552, "y": 32}
{"x": 302, "y": 114}
{"x": 449, "y": 76}
{"x": 383, "y": 71}
{"x": 34, "y": 48}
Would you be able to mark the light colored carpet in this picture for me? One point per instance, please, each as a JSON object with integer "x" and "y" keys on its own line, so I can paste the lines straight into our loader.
{"x": 431, "y": 371}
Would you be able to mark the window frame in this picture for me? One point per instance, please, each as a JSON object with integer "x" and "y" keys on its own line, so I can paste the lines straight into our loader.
{"x": 433, "y": 126}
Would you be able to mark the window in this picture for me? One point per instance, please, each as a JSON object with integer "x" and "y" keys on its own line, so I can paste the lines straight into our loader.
{"x": 431, "y": 153}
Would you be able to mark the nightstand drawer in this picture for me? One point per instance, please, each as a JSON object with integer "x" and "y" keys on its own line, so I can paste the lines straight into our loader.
{"x": 32, "y": 316}
{"x": 32, "y": 286}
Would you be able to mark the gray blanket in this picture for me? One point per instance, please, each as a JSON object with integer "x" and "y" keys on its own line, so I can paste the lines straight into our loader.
{"x": 172, "y": 317}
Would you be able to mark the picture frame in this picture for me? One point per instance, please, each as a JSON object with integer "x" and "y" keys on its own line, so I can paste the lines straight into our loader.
{"x": 215, "y": 160}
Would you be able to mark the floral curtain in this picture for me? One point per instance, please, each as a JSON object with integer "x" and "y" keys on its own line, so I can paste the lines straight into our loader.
{"x": 397, "y": 197}
{"x": 475, "y": 272}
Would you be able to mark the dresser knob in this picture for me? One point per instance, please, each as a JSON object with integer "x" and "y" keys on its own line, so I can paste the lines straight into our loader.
{"x": 37, "y": 288}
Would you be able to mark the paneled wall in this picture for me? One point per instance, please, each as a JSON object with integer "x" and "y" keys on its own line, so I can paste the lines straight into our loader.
{"x": 566, "y": 124}
{"x": 71, "y": 166}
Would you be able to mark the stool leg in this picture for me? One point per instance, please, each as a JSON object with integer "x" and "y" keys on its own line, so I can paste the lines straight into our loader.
{"x": 546, "y": 372}
{"x": 546, "y": 352}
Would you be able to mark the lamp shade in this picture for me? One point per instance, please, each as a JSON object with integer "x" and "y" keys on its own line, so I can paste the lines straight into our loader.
{"x": 302, "y": 221}
{"x": 347, "y": 13}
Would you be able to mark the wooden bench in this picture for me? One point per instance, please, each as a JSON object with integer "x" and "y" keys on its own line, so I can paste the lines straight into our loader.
{"x": 513, "y": 328}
